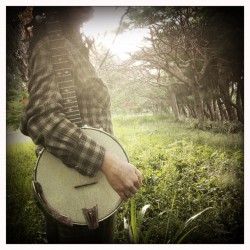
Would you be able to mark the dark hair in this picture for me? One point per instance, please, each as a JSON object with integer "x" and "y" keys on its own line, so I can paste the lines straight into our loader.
{"x": 62, "y": 12}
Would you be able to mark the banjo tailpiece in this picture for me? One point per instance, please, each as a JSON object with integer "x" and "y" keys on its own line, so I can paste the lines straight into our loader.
{"x": 91, "y": 216}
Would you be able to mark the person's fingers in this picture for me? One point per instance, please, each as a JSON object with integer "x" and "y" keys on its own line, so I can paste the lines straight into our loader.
{"x": 123, "y": 196}
{"x": 124, "y": 177}
{"x": 129, "y": 195}
{"x": 133, "y": 190}
{"x": 139, "y": 175}
{"x": 137, "y": 183}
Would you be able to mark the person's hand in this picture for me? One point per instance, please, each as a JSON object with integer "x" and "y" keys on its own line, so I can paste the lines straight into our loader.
{"x": 124, "y": 177}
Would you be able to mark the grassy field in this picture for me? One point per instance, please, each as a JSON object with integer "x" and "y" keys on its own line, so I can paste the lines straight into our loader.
{"x": 193, "y": 190}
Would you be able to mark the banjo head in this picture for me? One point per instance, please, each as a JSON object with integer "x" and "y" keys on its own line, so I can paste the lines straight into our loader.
{"x": 68, "y": 192}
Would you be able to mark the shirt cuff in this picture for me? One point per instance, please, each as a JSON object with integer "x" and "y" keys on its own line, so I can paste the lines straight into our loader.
{"x": 88, "y": 156}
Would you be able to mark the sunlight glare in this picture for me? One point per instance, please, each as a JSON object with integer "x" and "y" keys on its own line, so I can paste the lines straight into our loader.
{"x": 103, "y": 26}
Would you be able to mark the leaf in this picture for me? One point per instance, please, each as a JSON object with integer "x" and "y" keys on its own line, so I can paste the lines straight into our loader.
{"x": 179, "y": 232}
{"x": 185, "y": 235}
{"x": 127, "y": 228}
{"x": 196, "y": 215}
{"x": 140, "y": 216}
{"x": 133, "y": 221}
{"x": 169, "y": 214}
{"x": 125, "y": 223}
{"x": 144, "y": 209}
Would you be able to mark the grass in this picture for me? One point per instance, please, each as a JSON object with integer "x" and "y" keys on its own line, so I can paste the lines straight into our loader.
{"x": 24, "y": 221}
{"x": 200, "y": 168}
{"x": 186, "y": 171}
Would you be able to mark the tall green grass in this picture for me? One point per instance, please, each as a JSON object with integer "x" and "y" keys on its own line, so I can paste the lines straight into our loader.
{"x": 201, "y": 169}
{"x": 24, "y": 221}
{"x": 185, "y": 171}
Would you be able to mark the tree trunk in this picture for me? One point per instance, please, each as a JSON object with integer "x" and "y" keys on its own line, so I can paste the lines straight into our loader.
{"x": 182, "y": 108}
{"x": 198, "y": 105}
{"x": 242, "y": 95}
{"x": 215, "y": 110}
{"x": 191, "y": 110}
{"x": 239, "y": 103}
{"x": 210, "y": 111}
{"x": 223, "y": 113}
{"x": 224, "y": 93}
{"x": 174, "y": 104}
{"x": 228, "y": 106}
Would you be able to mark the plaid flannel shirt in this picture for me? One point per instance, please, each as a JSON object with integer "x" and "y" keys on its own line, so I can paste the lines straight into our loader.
{"x": 44, "y": 121}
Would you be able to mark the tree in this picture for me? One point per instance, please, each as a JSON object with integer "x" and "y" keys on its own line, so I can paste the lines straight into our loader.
{"x": 225, "y": 31}
{"x": 17, "y": 62}
{"x": 188, "y": 45}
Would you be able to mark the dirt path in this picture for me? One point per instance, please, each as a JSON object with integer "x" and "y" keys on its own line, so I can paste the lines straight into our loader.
{"x": 16, "y": 137}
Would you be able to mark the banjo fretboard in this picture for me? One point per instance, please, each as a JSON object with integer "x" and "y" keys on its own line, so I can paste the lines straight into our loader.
{"x": 63, "y": 69}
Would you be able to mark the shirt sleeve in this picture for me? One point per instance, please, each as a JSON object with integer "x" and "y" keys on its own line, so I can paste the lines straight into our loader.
{"x": 45, "y": 122}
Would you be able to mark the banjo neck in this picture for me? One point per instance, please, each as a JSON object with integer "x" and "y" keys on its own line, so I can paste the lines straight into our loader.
{"x": 63, "y": 68}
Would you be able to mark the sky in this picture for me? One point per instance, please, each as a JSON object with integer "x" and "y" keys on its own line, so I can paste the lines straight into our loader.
{"x": 102, "y": 28}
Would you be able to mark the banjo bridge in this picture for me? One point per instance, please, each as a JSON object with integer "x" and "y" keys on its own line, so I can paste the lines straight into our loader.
{"x": 86, "y": 184}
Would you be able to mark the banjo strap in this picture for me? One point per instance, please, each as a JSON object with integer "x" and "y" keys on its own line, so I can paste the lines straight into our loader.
{"x": 63, "y": 68}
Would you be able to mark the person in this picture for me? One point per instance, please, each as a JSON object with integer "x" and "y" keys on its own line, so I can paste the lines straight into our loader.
{"x": 45, "y": 121}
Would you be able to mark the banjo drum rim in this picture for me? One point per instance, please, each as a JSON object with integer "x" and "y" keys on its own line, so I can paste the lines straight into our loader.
{"x": 42, "y": 205}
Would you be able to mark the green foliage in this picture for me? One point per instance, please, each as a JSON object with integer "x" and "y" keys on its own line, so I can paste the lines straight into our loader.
{"x": 181, "y": 234}
{"x": 15, "y": 68}
{"x": 24, "y": 222}
{"x": 185, "y": 172}
{"x": 134, "y": 234}
{"x": 15, "y": 106}
{"x": 225, "y": 127}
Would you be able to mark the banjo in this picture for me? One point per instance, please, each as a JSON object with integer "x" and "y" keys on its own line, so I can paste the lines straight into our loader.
{"x": 72, "y": 198}
{"x": 62, "y": 192}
